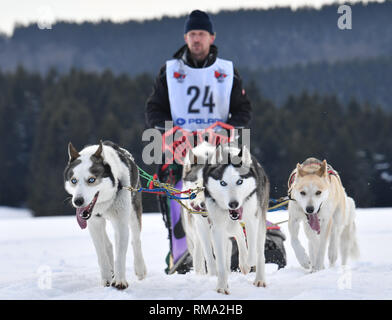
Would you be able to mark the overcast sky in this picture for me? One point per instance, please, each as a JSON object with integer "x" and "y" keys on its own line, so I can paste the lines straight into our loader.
{"x": 27, "y": 11}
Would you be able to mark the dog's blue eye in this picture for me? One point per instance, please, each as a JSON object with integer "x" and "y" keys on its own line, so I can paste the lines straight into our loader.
{"x": 239, "y": 181}
{"x": 74, "y": 181}
{"x": 223, "y": 184}
{"x": 91, "y": 180}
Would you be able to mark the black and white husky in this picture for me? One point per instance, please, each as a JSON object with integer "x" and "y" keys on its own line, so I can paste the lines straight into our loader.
{"x": 237, "y": 190}
{"x": 95, "y": 177}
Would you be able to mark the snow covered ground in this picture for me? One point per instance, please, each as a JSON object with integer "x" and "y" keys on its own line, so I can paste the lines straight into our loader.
{"x": 52, "y": 258}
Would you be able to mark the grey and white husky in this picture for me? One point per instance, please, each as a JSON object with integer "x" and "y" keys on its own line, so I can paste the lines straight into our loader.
{"x": 237, "y": 190}
{"x": 95, "y": 177}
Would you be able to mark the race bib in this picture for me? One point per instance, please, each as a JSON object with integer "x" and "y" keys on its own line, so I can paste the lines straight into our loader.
{"x": 199, "y": 96}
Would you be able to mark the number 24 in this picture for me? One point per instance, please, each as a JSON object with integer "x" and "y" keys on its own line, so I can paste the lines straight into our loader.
{"x": 208, "y": 100}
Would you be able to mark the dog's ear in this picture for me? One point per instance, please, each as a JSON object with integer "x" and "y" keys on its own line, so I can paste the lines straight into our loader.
{"x": 193, "y": 159}
{"x": 220, "y": 156}
{"x": 246, "y": 157}
{"x": 300, "y": 171}
{"x": 98, "y": 153}
{"x": 239, "y": 155}
{"x": 217, "y": 156}
{"x": 72, "y": 152}
{"x": 210, "y": 156}
{"x": 323, "y": 171}
{"x": 188, "y": 160}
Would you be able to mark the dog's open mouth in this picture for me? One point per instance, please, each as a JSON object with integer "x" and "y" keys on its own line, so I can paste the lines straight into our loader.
{"x": 313, "y": 221}
{"x": 236, "y": 214}
{"x": 196, "y": 207}
{"x": 84, "y": 213}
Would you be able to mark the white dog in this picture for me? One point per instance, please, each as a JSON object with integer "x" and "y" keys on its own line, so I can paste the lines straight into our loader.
{"x": 321, "y": 203}
{"x": 95, "y": 177}
{"x": 197, "y": 225}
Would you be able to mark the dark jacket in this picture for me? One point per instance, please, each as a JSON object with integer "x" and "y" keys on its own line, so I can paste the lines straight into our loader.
{"x": 158, "y": 105}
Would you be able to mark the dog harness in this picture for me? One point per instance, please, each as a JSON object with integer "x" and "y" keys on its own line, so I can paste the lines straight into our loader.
{"x": 199, "y": 96}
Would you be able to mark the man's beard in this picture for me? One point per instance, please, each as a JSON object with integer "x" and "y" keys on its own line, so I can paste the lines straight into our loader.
{"x": 198, "y": 53}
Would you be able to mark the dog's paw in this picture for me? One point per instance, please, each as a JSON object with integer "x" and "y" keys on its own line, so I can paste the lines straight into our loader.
{"x": 223, "y": 290}
{"x": 105, "y": 283}
{"x": 245, "y": 269}
{"x": 305, "y": 263}
{"x": 316, "y": 268}
{"x": 313, "y": 269}
{"x": 260, "y": 283}
{"x": 120, "y": 285}
{"x": 141, "y": 272}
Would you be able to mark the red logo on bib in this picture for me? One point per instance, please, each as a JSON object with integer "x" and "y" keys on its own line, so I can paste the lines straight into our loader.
{"x": 179, "y": 75}
{"x": 220, "y": 75}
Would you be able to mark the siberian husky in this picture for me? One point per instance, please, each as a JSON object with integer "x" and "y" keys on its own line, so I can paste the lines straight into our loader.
{"x": 237, "y": 190}
{"x": 321, "y": 203}
{"x": 95, "y": 177}
{"x": 197, "y": 225}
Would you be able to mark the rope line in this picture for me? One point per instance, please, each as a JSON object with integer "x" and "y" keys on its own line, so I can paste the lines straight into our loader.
{"x": 172, "y": 193}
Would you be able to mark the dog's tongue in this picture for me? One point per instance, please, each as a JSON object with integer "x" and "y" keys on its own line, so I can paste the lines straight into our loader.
{"x": 82, "y": 222}
{"x": 314, "y": 222}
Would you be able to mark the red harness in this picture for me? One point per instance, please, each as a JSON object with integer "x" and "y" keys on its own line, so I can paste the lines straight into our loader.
{"x": 178, "y": 148}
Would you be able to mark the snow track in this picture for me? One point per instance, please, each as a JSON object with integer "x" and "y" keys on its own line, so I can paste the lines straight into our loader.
{"x": 52, "y": 258}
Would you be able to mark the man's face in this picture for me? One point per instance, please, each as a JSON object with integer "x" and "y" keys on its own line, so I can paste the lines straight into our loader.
{"x": 199, "y": 42}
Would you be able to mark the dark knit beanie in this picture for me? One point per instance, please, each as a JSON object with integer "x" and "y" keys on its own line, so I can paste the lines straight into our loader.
{"x": 198, "y": 20}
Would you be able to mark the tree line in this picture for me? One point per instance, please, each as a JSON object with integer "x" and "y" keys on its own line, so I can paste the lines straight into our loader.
{"x": 365, "y": 79}
{"x": 40, "y": 114}
{"x": 251, "y": 38}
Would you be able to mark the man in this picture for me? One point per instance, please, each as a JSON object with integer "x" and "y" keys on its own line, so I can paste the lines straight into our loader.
{"x": 197, "y": 88}
{"x": 194, "y": 90}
